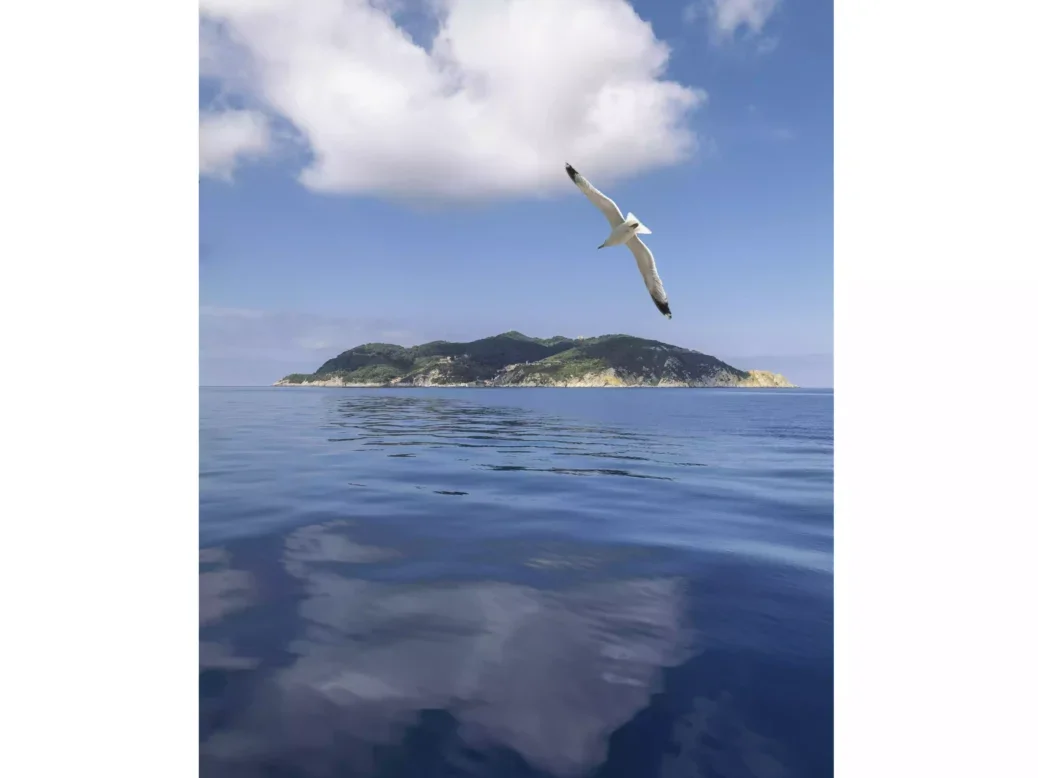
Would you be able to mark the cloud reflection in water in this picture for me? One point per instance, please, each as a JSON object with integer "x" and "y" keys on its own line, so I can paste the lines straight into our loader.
{"x": 549, "y": 675}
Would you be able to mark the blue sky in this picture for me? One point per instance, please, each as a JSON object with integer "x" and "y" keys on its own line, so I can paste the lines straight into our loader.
{"x": 339, "y": 207}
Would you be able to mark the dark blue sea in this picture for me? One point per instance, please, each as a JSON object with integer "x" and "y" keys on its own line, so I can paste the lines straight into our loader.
{"x": 516, "y": 582}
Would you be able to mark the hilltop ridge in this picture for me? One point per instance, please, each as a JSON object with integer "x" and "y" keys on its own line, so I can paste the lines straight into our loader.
{"x": 515, "y": 359}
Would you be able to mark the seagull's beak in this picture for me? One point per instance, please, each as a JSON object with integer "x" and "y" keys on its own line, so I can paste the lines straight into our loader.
{"x": 602, "y": 246}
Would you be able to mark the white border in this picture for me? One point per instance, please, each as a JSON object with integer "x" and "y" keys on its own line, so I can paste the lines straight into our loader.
{"x": 935, "y": 165}
{"x": 935, "y": 285}
{"x": 100, "y": 315}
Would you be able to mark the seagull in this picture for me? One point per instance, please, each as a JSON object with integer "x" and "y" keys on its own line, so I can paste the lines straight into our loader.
{"x": 626, "y": 231}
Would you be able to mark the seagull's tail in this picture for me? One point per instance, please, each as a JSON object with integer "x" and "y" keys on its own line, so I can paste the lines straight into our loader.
{"x": 641, "y": 229}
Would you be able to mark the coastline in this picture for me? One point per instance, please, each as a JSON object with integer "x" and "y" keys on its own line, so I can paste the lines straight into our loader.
{"x": 755, "y": 381}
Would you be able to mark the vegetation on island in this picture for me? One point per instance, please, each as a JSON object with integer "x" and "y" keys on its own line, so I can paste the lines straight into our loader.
{"x": 515, "y": 359}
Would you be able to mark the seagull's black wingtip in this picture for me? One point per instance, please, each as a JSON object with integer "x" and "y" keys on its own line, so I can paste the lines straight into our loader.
{"x": 572, "y": 172}
{"x": 664, "y": 307}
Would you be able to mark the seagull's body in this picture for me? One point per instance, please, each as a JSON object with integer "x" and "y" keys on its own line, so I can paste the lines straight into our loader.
{"x": 626, "y": 231}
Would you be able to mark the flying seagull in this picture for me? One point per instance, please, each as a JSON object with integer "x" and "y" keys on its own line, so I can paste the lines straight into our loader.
{"x": 626, "y": 231}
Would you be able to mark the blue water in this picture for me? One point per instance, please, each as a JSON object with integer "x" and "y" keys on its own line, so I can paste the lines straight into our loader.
{"x": 516, "y": 582}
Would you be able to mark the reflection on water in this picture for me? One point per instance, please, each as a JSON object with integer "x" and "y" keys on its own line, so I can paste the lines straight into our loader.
{"x": 435, "y": 423}
{"x": 697, "y": 735}
{"x": 545, "y": 675}
{"x": 402, "y": 585}
{"x": 222, "y": 591}
{"x": 575, "y": 471}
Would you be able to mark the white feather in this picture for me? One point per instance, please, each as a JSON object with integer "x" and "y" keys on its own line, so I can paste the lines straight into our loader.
{"x": 644, "y": 258}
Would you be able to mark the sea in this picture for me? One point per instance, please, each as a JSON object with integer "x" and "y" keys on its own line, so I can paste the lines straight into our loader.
{"x": 516, "y": 582}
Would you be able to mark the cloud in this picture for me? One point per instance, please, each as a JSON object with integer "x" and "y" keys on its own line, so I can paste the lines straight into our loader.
{"x": 241, "y": 331}
{"x": 503, "y": 95}
{"x": 227, "y": 137}
{"x": 728, "y": 17}
{"x": 767, "y": 45}
{"x": 218, "y": 312}
{"x": 692, "y": 13}
{"x": 242, "y": 346}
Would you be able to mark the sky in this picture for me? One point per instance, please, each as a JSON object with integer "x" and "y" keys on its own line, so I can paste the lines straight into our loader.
{"x": 393, "y": 170}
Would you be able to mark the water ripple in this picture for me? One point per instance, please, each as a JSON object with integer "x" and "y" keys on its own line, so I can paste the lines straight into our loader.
{"x": 538, "y": 583}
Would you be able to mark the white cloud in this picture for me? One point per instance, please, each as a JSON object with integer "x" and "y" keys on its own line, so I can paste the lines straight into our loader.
{"x": 767, "y": 45}
{"x": 726, "y": 17}
{"x": 507, "y": 91}
{"x": 225, "y": 138}
{"x": 729, "y": 15}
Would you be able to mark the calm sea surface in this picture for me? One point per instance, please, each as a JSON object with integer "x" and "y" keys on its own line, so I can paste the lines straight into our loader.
{"x": 516, "y": 582}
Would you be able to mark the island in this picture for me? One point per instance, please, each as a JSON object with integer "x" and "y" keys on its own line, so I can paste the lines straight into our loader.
{"x": 514, "y": 359}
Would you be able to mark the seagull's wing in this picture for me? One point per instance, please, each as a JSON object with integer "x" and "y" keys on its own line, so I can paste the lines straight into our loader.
{"x": 647, "y": 266}
{"x": 602, "y": 203}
